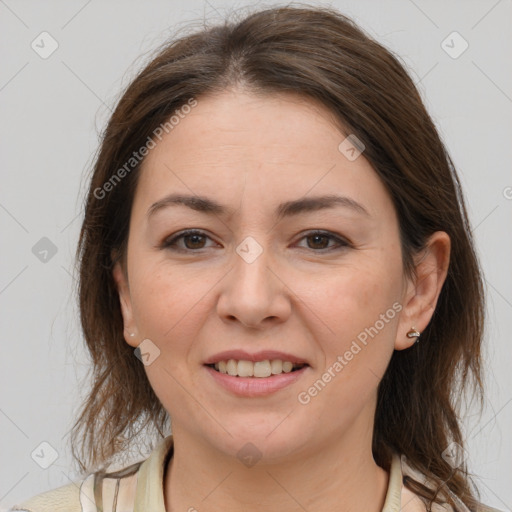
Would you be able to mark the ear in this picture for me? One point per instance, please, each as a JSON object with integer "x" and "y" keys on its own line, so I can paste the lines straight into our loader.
{"x": 121, "y": 280}
{"x": 423, "y": 290}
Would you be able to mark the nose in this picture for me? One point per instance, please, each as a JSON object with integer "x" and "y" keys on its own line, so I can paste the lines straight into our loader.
{"x": 253, "y": 292}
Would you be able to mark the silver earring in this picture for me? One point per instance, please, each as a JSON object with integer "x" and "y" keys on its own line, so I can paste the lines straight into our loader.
{"x": 413, "y": 333}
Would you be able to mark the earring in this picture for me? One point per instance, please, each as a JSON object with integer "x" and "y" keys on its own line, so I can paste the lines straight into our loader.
{"x": 413, "y": 333}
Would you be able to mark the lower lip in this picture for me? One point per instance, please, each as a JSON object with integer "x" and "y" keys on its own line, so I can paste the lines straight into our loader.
{"x": 255, "y": 386}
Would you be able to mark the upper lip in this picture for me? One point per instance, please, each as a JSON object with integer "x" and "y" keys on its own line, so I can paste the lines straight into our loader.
{"x": 240, "y": 355}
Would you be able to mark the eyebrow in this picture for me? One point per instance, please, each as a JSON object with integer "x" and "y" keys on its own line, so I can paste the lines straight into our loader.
{"x": 286, "y": 209}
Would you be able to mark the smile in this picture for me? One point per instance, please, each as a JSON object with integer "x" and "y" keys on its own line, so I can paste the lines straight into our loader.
{"x": 258, "y": 369}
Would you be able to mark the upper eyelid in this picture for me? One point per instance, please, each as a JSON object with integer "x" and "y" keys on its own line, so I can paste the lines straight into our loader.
{"x": 187, "y": 232}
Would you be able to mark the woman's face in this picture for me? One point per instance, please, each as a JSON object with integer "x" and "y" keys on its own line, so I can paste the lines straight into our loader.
{"x": 256, "y": 278}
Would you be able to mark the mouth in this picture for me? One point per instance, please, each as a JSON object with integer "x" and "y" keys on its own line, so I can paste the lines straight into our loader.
{"x": 255, "y": 369}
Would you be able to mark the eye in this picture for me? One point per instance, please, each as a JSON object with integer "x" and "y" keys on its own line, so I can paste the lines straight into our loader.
{"x": 318, "y": 240}
{"x": 194, "y": 240}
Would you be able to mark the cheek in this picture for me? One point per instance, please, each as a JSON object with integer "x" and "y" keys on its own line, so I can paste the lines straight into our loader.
{"x": 351, "y": 299}
{"x": 168, "y": 304}
{"x": 361, "y": 307}
{"x": 169, "y": 307}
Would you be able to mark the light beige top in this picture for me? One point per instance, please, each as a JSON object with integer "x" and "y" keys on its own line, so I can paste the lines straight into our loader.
{"x": 139, "y": 488}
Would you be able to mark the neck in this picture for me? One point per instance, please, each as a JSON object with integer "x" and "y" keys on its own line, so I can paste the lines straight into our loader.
{"x": 339, "y": 474}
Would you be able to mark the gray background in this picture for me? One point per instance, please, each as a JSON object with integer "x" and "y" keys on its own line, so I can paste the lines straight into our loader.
{"x": 52, "y": 112}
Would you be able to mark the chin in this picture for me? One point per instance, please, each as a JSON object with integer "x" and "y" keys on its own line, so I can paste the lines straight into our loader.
{"x": 260, "y": 442}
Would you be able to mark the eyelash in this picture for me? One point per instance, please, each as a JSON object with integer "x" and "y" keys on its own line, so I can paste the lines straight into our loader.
{"x": 169, "y": 243}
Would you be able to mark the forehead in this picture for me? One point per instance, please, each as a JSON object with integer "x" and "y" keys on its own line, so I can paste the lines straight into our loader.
{"x": 275, "y": 145}
{"x": 251, "y": 122}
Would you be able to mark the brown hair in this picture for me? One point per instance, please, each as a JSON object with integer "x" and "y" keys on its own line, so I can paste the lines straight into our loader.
{"x": 324, "y": 56}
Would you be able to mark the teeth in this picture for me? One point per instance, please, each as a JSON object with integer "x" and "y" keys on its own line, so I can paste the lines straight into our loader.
{"x": 259, "y": 369}
{"x": 276, "y": 366}
{"x": 287, "y": 366}
{"x": 246, "y": 369}
{"x": 232, "y": 367}
{"x": 262, "y": 368}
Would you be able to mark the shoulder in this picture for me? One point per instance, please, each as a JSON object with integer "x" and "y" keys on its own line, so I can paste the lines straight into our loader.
{"x": 65, "y": 498}
{"x": 87, "y": 495}
{"x": 411, "y": 502}
{"x": 108, "y": 490}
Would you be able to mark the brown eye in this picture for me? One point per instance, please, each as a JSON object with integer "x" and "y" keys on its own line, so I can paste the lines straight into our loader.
{"x": 319, "y": 241}
{"x": 195, "y": 241}
{"x": 192, "y": 241}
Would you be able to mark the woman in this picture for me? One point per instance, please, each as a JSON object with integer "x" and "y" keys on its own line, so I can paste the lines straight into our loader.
{"x": 276, "y": 262}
